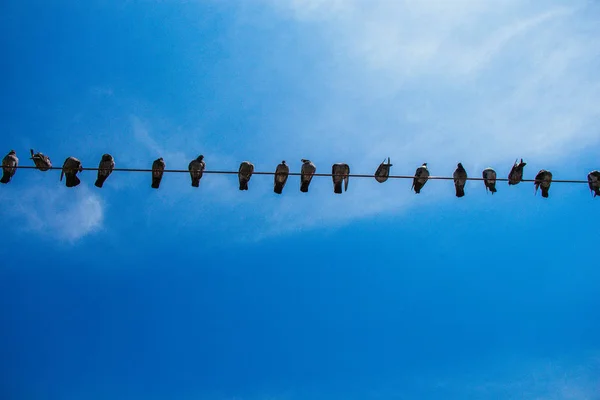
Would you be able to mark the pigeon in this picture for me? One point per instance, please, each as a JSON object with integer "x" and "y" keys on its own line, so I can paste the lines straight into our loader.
{"x": 196, "y": 168}
{"x": 489, "y": 178}
{"x": 543, "y": 179}
{"x": 460, "y": 179}
{"x": 41, "y": 161}
{"x": 420, "y": 179}
{"x": 516, "y": 173}
{"x": 306, "y": 174}
{"x": 281, "y": 175}
{"x": 105, "y": 168}
{"x": 340, "y": 172}
{"x": 158, "y": 169}
{"x": 594, "y": 182}
{"x": 9, "y": 166}
{"x": 245, "y": 173}
{"x": 383, "y": 171}
{"x": 70, "y": 169}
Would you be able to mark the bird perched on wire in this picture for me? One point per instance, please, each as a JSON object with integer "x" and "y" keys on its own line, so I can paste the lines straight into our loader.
{"x": 158, "y": 169}
{"x": 41, "y": 161}
{"x": 420, "y": 179}
{"x": 71, "y": 167}
{"x": 383, "y": 171}
{"x": 306, "y": 174}
{"x": 543, "y": 179}
{"x": 245, "y": 173}
{"x": 281, "y": 175}
{"x": 105, "y": 168}
{"x": 594, "y": 182}
{"x": 196, "y": 168}
{"x": 516, "y": 172}
{"x": 10, "y": 162}
{"x": 489, "y": 179}
{"x": 340, "y": 172}
{"x": 460, "y": 179}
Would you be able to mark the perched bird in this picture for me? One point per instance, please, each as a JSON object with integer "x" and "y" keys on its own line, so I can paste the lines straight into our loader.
{"x": 41, "y": 161}
{"x": 516, "y": 172}
{"x": 420, "y": 179}
{"x": 158, "y": 169}
{"x": 340, "y": 172}
{"x": 105, "y": 168}
{"x": 196, "y": 168}
{"x": 383, "y": 171}
{"x": 306, "y": 174}
{"x": 460, "y": 179}
{"x": 543, "y": 179}
{"x": 489, "y": 178}
{"x": 594, "y": 182}
{"x": 9, "y": 166}
{"x": 281, "y": 175}
{"x": 245, "y": 173}
{"x": 70, "y": 168}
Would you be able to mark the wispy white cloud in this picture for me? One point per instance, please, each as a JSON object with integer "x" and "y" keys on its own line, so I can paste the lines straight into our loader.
{"x": 56, "y": 213}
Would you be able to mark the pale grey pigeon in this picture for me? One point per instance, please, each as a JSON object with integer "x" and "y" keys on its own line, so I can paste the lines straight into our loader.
{"x": 543, "y": 179}
{"x": 9, "y": 166}
{"x": 71, "y": 167}
{"x": 105, "y": 168}
{"x": 306, "y": 174}
{"x": 41, "y": 161}
{"x": 460, "y": 179}
{"x": 340, "y": 172}
{"x": 281, "y": 175}
{"x": 196, "y": 168}
{"x": 158, "y": 169}
{"x": 420, "y": 179}
{"x": 489, "y": 179}
{"x": 594, "y": 182}
{"x": 516, "y": 172}
{"x": 245, "y": 173}
{"x": 383, "y": 171}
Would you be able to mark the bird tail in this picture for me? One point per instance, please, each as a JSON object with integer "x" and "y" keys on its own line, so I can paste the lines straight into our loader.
{"x": 156, "y": 182}
{"x": 196, "y": 182}
{"x": 596, "y": 192}
{"x": 304, "y": 187}
{"x": 417, "y": 188}
{"x": 5, "y": 177}
{"x": 100, "y": 181}
{"x": 243, "y": 184}
{"x": 278, "y": 187}
{"x": 337, "y": 188}
{"x": 545, "y": 192}
{"x": 493, "y": 188}
{"x": 72, "y": 180}
{"x": 460, "y": 191}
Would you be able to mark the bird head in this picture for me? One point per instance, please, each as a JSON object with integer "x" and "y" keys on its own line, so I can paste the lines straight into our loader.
{"x": 12, "y": 152}
{"x": 200, "y": 157}
{"x": 459, "y": 165}
{"x": 283, "y": 162}
{"x": 424, "y": 164}
{"x": 305, "y": 161}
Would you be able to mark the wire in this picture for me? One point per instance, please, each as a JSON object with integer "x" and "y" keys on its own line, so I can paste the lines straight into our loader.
{"x": 179, "y": 171}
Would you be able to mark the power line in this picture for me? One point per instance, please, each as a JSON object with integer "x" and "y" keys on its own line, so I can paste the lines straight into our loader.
{"x": 179, "y": 171}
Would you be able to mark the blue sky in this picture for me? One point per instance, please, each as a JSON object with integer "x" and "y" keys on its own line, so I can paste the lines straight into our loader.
{"x": 217, "y": 294}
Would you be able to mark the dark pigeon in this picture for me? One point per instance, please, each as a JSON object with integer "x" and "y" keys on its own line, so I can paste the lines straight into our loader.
{"x": 9, "y": 166}
{"x": 105, "y": 168}
{"x": 281, "y": 175}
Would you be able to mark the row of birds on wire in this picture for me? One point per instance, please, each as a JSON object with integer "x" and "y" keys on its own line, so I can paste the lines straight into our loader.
{"x": 340, "y": 173}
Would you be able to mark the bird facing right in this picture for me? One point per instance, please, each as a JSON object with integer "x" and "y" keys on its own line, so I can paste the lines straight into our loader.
{"x": 594, "y": 182}
{"x": 105, "y": 168}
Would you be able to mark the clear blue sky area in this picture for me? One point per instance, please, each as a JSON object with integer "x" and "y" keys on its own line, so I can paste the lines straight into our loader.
{"x": 212, "y": 293}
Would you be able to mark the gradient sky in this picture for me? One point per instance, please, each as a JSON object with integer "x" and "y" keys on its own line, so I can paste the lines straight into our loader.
{"x": 212, "y": 293}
